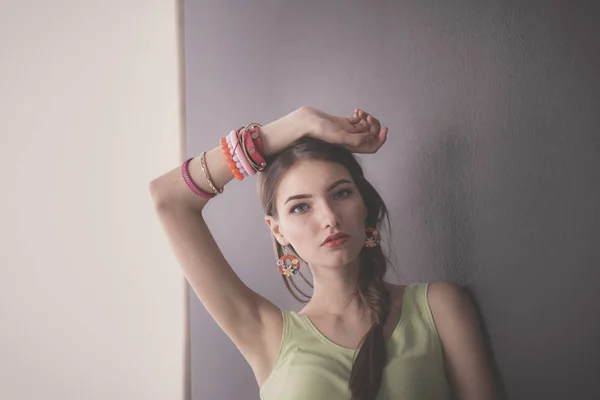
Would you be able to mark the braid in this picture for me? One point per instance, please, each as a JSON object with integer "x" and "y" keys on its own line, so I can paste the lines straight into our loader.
{"x": 367, "y": 370}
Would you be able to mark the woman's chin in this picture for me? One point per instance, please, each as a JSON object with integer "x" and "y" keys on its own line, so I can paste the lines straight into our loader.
{"x": 340, "y": 257}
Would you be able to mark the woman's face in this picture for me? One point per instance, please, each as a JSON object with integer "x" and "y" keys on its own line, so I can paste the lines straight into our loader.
{"x": 314, "y": 200}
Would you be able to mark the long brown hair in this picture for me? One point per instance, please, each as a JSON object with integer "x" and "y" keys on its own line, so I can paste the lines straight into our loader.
{"x": 367, "y": 369}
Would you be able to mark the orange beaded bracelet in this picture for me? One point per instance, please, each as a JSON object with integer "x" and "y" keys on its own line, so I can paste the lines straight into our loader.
{"x": 234, "y": 170}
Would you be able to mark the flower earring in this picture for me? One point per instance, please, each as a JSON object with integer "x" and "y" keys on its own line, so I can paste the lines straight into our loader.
{"x": 372, "y": 237}
{"x": 288, "y": 264}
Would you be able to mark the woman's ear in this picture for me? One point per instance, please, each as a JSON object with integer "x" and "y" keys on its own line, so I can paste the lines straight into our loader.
{"x": 276, "y": 230}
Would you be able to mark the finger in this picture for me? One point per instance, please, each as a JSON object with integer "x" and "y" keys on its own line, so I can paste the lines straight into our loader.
{"x": 372, "y": 124}
{"x": 361, "y": 126}
{"x": 363, "y": 122}
{"x": 359, "y": 114}
{"x": 366, "y": 143}
{"x": 353, "y": 119}
{"x": 375, "y": 142}
{"x": 375, "y": 124}
{"x": 383, "y": 136}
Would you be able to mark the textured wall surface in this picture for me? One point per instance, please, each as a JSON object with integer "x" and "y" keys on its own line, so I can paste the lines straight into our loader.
{"x": 490, "y": 170}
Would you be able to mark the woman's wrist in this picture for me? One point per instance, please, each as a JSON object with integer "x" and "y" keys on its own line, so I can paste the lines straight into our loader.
{"x": 278, "y": 135}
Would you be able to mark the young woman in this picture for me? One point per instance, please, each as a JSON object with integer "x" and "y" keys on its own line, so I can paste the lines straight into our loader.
{"x": 358, "y": 337}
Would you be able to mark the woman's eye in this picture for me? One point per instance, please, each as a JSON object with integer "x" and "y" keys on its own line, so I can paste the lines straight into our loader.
{"x": 299, "y": 208}
{"x": 303, "y": 207}
{"x": 343, "y": 193}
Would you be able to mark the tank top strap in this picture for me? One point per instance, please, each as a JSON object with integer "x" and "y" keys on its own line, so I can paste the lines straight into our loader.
{"x": 416, "y": 305}
{"x": 294, "y": 332}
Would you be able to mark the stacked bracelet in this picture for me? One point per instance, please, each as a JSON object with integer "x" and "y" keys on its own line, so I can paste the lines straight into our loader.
{"x": 190, "y": 183}
{"x": 230, "y": 162}
{"x": 244, "y": 152}
{"x": 234, "y": 156}
{"x": 207, "y": 175}
{"x": 252, "y": 146}
{"x": 237, "y": 141}
{"x": 248, "y": 149}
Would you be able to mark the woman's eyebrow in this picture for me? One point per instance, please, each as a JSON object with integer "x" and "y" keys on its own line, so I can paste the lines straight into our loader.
{"x": 306, "y": 196}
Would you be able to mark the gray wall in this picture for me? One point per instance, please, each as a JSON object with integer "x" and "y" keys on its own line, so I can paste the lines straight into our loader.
{"x": 490, "y": 170}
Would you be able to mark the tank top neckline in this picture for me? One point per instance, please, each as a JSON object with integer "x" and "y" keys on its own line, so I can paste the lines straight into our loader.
{"x": 326, "y": 340}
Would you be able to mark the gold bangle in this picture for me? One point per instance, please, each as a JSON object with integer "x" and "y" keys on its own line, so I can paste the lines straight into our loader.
{"x": 207, "y": 176}
{"x": 252, "y": 124}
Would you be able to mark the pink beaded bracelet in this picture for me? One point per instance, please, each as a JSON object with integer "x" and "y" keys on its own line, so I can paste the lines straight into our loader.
{"x": 190, "y": 184}
{"x": 237, "y": 162}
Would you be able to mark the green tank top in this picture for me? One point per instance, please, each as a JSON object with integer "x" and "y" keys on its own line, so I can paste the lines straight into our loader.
{"x": 310, "y": 366}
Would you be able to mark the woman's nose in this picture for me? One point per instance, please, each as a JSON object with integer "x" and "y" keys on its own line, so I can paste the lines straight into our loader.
{"x": 328, "y": 216}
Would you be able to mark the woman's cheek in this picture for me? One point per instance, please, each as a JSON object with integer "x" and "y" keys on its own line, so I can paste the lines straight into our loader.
{"x": 300, "y": 232}
{"x": 293, "y": 229}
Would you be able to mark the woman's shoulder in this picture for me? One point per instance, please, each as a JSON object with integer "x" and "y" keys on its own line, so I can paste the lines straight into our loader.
{"x": 448, "y": 302}
{"x": 398, "y": 292}
{"x": 440, "y": 292}
{"x": 433, "y": 296}
{"x": 434, "y": 289}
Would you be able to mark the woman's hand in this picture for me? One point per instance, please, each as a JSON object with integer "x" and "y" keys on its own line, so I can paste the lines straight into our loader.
{"x": 358, "y": 133}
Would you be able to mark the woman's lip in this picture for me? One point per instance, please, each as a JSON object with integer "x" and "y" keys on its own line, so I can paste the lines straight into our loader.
{"x": 339, "y": 236}
{"x": 336, "y": 242}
